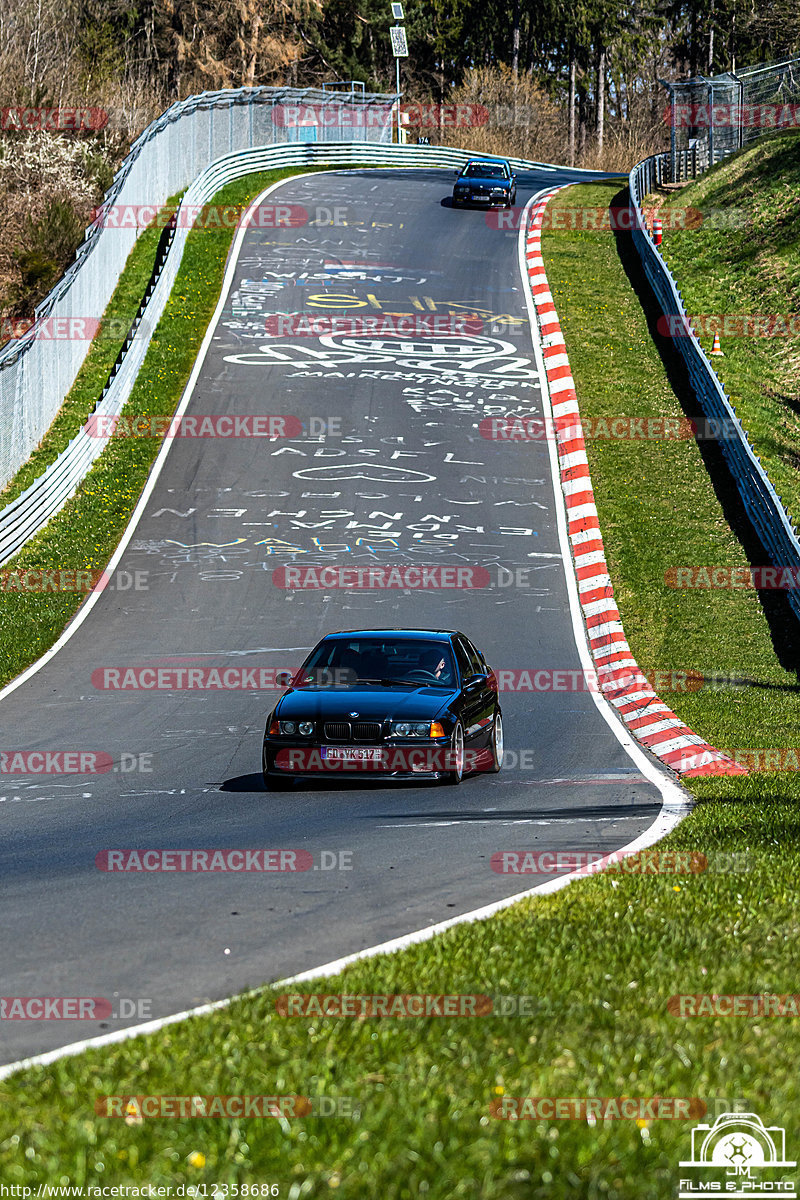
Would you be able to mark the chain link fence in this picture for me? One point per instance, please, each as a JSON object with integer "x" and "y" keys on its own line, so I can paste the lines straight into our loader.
{"x": 38, "y": 369}
{"x": 710, "y": 118}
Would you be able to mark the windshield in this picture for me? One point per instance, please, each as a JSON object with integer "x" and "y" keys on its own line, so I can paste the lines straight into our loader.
{"x": 346, "y": 661}
{"x": 486, "y": 170}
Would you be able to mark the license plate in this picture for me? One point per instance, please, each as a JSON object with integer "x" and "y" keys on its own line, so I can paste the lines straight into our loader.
{"x": 478, "y": 196}
{"x": 351, "y": 754}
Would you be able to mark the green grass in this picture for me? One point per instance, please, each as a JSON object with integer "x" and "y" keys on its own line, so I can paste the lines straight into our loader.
{"x": 601, "y": 959}
{"x": 86, "y": 531}
{"x": 658, "y": 509}
{"x": 424, "y": 1086}
{"x": 95, "y": 369}
{"x": 750, "y": 266}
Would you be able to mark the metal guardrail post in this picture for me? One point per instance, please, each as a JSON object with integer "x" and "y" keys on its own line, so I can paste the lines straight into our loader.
{"x": 761, "y": 502}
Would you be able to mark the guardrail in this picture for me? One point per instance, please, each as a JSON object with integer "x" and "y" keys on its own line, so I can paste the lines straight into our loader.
{"x": 763, "y": 505}
{"x": 665, "y": 168}
{"x": 38, "y": 369}
{"x": 26, "y": 515}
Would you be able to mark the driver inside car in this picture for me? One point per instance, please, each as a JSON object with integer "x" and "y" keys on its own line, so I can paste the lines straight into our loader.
{"x": 435, "y": 662}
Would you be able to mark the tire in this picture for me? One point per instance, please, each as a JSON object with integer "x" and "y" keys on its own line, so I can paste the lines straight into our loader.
{"x": 456, "y": 774}
{"x": 496, "y": 746}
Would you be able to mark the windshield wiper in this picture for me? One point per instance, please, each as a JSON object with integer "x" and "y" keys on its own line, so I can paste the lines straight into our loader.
{"x": 389, "y": 682}
{"x": 418, "y": 683}
{"x": 412, "y": 683}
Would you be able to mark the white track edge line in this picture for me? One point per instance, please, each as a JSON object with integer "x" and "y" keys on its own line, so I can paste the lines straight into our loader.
{"x": 155, "y": 470}
{"x": 676, "y": 803}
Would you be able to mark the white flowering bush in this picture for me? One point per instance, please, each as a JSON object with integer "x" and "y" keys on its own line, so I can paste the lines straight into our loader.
{"x": 49, "y": 184}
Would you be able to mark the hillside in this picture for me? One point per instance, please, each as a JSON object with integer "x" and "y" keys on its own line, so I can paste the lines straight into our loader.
{"x": 743, "y": 264}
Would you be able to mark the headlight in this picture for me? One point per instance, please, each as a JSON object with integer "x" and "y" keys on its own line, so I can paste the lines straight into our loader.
{"x": 289, "y": 728}
{"x": 412, "y": 729}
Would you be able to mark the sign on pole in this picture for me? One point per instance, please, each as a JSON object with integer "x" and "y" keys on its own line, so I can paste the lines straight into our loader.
{"x": 399, "y": 43}
{"x": 397, "y": 11}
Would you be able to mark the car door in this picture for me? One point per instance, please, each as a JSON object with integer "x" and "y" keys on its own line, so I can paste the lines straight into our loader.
{"x": 479, "y": 698}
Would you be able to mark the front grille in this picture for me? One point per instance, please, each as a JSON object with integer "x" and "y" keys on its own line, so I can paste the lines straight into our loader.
{"x": 337, "y": 731}
{"x": 366, "y": 731}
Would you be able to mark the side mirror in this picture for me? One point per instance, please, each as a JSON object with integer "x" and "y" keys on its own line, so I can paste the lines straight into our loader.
{"x": 283, "y": 678}
{"x": 473, "y": 681}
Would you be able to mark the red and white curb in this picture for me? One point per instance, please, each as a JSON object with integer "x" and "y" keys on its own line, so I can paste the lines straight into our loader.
{"x": 652, "y": 722}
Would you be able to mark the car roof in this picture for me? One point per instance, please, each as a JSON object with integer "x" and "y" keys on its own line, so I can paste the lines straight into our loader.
{"x": 432, "y": 635}
{"x": 494, "y": 161}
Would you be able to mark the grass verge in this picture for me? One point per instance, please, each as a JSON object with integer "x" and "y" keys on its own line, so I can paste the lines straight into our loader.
{"x": 86, "y": 531}
{"x": 599, "y": 960}
{"x": 743, "y": 264}
{"x": 100, "y": 358}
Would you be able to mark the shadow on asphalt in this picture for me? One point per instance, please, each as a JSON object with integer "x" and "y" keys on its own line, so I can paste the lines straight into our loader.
{"x": 254, "y": 782}
{"x": 590, "y": 812}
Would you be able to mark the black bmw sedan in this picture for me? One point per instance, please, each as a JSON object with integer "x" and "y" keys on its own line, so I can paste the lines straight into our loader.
{"x": 391, "y": 703}
{"x": 486, "y": 181}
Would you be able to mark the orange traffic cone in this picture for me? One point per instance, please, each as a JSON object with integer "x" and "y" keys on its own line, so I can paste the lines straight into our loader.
{"x": 716, "y": 348}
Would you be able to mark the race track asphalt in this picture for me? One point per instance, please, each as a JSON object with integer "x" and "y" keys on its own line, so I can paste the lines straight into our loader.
{"x": 400, "y": 474}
